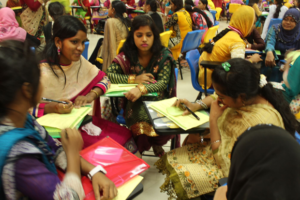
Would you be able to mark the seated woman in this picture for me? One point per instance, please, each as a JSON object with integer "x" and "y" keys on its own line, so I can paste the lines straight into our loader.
{"x": 275, "y": 11}
{"x": 181, "y": 23}
{"x": 68, "y": 75}
{"x": 10, "y": 29}
{"x": 254, "y": 41}
{"x": 229, "y": 43}
{"x": 116, "y": 29}
{"x": 150, "y": 7}
{"x": 144, "y": 61}
{"x": 202, "y": 5}
{"x": 29, "y": 156}
{"x": 296, "y": 4}
{"x": 55, "y": 10}
{"x": 282, "y": 37}
{"x": 200, "y": 19}
{"x": 244, "y": 99}
{"x": 250, "y": 176}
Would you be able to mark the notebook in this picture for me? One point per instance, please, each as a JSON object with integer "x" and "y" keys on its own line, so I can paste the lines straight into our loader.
{"x": 62, "y": 121}
{"x": 118, "y": 90}
{"x": 185, "y": 122}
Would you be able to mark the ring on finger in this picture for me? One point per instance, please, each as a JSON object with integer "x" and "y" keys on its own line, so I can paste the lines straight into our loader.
{"x": 64, "y": 106}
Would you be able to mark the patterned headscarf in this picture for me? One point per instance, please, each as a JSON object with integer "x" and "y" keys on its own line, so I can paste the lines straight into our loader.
{"x": 290, "y": 36}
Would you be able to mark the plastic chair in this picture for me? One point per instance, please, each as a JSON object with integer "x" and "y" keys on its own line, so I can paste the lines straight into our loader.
{"x": 120, "y": 46}
{"x": 213, "y": 12}
{"x": 210, "y": 34}
{"x": 288, "y": 5}
{"x": 85, "y": 52}
{"x": 165, "y": 37}
{"x": 274, "y": 21}
{"x": 192, "y": 40}
{"x": 192, "y": 58}
{"x": 219, "y": 10}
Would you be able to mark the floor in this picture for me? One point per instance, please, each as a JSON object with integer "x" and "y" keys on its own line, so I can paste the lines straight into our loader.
{"x": 152, "y": 179}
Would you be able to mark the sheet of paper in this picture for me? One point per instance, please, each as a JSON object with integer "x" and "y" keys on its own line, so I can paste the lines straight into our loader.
{"x": 185, "y": 122}
{"x": 125, "y": 190}
{"x": 118, "y": 88}
{"x": 175, "y": 111}
{"x": 62, "y": 121}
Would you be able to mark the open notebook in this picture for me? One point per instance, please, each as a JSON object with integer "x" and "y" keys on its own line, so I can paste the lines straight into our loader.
{"x": 54, "y": 122}
{"x": 118, "y": 90}
{"x": 185, "y": 122}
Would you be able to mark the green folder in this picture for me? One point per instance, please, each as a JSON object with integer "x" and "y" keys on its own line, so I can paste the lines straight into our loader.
{"x": 278, "y": 53}
{"x": 121, "y": 94}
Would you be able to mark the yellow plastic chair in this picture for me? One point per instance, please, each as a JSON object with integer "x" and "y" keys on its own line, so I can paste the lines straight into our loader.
{"x": 288, "y": 5}
{"x": 120, "y": 46}
{"x": 219, "y": 10}
{"x": 165, "y": 37}
{"x": 210, "y": 34}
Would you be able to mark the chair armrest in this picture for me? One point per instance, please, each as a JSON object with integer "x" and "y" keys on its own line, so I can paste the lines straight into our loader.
{"x": 223, "y": 181}
{"x": 210, "y": 64}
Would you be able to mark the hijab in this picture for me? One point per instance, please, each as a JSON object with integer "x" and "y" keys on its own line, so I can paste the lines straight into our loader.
{"x": 9, "y": 27}
{"x": 242, "y": 20}
{"x": 290, "y": 36}
{"x": 265, "y": 164}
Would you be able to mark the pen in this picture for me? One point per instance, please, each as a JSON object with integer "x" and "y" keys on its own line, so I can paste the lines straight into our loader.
{"x": 190, "y": 111}
{"x": 51, "y": 100}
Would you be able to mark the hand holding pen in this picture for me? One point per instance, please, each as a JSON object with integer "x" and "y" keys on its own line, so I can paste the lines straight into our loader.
{"x": 62, "y": 106}
{"x": 192, "y": 106}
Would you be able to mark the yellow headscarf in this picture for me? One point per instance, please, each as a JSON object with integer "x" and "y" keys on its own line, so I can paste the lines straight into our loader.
{"x": 243, "y": 20}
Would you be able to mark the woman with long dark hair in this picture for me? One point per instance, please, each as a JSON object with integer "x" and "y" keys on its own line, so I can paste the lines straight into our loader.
{"x": 200, "y": 19}
{"x": 150, "y": 7}
{"x": 144, "y": 61}
{"x": 243, "y": 99}
{"x": 277, "y": 10}
{"x": 66, "y": 74}
{"x": 29, "y": 155}
{"x": 203, "y": 5}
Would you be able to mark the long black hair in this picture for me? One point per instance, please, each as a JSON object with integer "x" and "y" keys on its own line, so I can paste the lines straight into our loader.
{"x": 120, "y": 9}
{"x": 208, "y": 47}
{"x": 152, "y": 4}
{"x": 190, "y": 7}
{"x": 206, "y": 3}
{"x": 130, "y": 49}
{"x": 279, "y": 5}
{"x": 244, "y": 78}
{"x": 63, "y": 28}
{"x": 18, "y": 64}
{"x": 178, "y": 4}
{"x": 56, "y": 10}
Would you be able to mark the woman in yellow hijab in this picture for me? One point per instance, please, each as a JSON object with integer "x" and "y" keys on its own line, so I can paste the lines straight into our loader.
{"x": 229, "y": 43}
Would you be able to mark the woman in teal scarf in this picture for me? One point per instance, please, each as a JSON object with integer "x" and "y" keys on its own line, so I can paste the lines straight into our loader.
{"x": 28, "y": 155}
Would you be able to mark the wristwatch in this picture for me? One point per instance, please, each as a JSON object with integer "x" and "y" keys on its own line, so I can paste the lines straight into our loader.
{"x": 95, "y": 170}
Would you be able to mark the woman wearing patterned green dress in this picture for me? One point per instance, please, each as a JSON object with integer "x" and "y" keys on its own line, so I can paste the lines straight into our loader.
{"x": 144, "y": 61}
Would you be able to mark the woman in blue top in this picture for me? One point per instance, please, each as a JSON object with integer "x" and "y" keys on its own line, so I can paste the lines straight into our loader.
{"x": 282, "y": 37}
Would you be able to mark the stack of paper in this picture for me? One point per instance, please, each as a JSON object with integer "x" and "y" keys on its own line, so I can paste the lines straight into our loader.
{"x": 185, "y": 122}
{"x": 118, "y": 90}
{"x": 125, "y": 190}
{"x": 54, "y": 122}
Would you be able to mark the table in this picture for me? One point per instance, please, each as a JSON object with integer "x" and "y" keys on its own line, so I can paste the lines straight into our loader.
{"x": 209, "y": 65}
{"x": 137, "y": 191}
{"x": 161, "y": 125}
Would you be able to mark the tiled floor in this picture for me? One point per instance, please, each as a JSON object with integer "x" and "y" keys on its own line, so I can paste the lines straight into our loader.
{"x": 152, "y": 179}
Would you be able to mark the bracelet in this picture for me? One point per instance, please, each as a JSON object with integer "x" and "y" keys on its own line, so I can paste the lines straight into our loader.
{"x": 202, "y": 104}
{"x": 97, "y": 95}
{"x": 142, "y": 88}
{"x": 131, "y": 78}
{"x": 95, "y": 170}
{"x": 250, "y": 60}
{"x": 215, "y": 142}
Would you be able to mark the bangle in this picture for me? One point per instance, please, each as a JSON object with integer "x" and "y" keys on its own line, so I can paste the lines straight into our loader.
{"x": 97, "y": 95}
{"x": 142, "y": 88}
{"x": 215, "y": 142}
{"x": 202, "y": 104}
{"x": 95, "y": 170}
{"x": 131, "y": 78}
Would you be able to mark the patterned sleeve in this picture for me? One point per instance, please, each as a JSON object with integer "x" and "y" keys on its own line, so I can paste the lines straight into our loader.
{"x": 271, "y": 42}
{"x": 237, "y": 50}
{"x": 104, "y": 84}
{"x": 195, "y": 18}
{"x": 172, "y": 21}
{"x": 162, "y": 80}
{"x": 116, "y": 75}
{"x": 38, "y": 110}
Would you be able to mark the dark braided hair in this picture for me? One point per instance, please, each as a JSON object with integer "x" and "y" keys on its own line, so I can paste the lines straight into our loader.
{"x": 208, "y": 47}
{"x": 190, "y": 7}
{"x": 279, "y": 5}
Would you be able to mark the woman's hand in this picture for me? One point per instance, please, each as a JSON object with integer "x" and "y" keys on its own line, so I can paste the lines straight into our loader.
{"x": 72, "y": 142}
{"x": 255, "y": 58}
{"x": 83, "y": 100}
{"x": 59, "y": 108}
{"x": 102, "y": 183}
{"x": 216, "y": 110}
{"x": 270, "y": 59}
{"x": 192, "y": 106}
{"x": 221, "y": 193}
{"x": 145, "y": 78}
{"x": 133, "y": 95}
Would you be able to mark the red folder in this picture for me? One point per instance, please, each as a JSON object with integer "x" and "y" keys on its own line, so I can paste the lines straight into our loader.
{"x": 120, "y": 164}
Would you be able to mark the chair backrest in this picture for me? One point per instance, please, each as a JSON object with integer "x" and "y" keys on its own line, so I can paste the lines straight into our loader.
{"x": 165, "y": 37}
{"x": 192, "y": 40}
{"x": 85, "y": 52}
{"x": 210, "y": 34}
{"x": 192, "y": 57}
{"x": 274, "y": 21}
{"x": 213, "y": 12}
{"x": 219, "y": 10}
{"x": 233, "y": 7}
